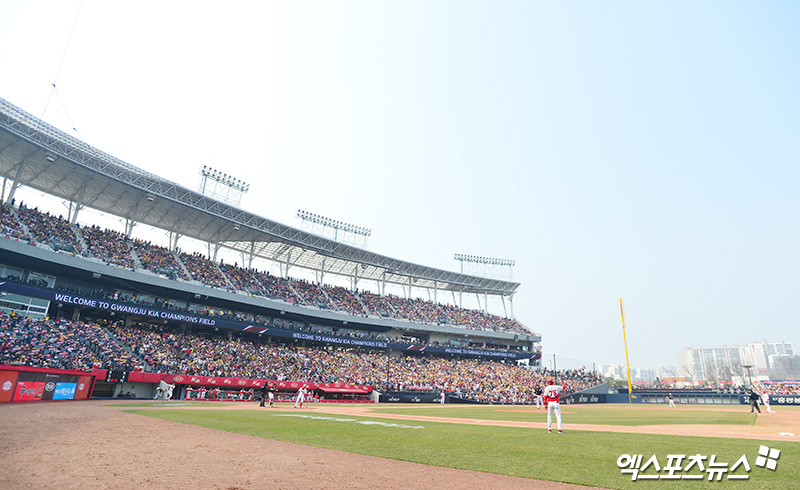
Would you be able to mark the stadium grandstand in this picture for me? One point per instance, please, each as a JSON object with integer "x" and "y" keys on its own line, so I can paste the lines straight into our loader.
{"x": 124, "y": 295}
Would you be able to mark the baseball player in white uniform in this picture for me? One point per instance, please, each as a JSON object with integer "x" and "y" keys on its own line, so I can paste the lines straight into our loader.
{"x": 551, "y": 396}
{"x": 301, "y": 397}
{"x": 671, "y": 401}
{"x": 441, "y": 398}
{"x": 162, "y": 390}
{"x": 765, "y": 401}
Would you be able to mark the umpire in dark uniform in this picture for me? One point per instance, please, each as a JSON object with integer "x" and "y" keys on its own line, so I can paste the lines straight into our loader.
{"x": 754, "y": 397}
{"x": 263, "y": 391}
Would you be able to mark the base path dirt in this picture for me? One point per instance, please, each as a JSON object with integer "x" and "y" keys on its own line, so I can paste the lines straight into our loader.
{"x": 86, "y": 444}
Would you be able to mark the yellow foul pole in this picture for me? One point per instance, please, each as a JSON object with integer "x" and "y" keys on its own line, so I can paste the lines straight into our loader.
{"x": 627, "y": 362}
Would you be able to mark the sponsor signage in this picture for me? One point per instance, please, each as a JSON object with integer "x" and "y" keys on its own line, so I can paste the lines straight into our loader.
{"x": 236, "y": 383}
{"x": 28, "y": 391}
{"x": 409, "y": 397}
{"x": 586, "y": 398}
{"x": 16, "y": 384}
{"x": 65, "y": 391}
{"x": 8, "y": 380}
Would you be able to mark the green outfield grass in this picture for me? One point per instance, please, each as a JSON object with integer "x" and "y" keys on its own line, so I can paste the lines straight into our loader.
{"x": 585, "y": 458}
{"x": 587, "y": 414}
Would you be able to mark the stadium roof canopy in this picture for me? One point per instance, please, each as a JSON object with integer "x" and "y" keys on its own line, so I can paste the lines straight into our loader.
{"x": 37, "y": 155}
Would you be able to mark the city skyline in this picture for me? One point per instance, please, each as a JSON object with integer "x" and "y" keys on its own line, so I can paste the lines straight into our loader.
{"x": 755, "y": 360}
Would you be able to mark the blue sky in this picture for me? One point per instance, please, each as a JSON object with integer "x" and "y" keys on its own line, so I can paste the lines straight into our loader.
{"x": 640, "y": 150}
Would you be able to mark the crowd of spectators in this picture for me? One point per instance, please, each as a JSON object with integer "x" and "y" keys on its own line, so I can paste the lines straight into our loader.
{"x": 481, "y": 380}
{"x": 204, "y": 270}
{"x": 241, "y": 279}
{"x": 152, "y": 348}
{"x": 80, "y": 345}
{"x": 253, "y": 319}
{"x": 113, "y": 247}
{"x": 344, "y": 300}
{"x": 778, "y": 387}
{"x": 771, "y": 387}
{"x": 77, "y": 345}
{"x": 10, "y": 226}
{"x": 276, "y": 287}
{"x": 311, "y": 294}
{"x": 47, "y": 228}
{"x": 60, "y": 344}
{"x": 109, "y": 246}
{"x": 416, "y": 309}
{"x": 486, "y": 381}
{"x": 158, "y": 259}
{"x": 377, "y": 305}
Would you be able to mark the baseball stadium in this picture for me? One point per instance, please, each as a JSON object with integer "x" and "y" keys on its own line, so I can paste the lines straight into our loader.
{"x": 129, "y": 362}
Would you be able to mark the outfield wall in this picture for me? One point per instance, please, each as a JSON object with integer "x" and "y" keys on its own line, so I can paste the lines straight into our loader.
{"x": 34, "y": 384}
{"x": 685, "y": 398}
{"x": 655, "y": 398}
{"x": 415, "y": 397}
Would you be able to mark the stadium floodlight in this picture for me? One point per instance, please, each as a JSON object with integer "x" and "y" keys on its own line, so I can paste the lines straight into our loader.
{"x": 337, "y": 230}
{"x": 484, "y": 260}
{"x": 332, "y": 223}
{"x": 224, "y": 179}
{"x": 222, "y": 186}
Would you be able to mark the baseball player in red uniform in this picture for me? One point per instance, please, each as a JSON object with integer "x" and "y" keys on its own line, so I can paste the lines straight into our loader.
{"x": 551, "y": 394}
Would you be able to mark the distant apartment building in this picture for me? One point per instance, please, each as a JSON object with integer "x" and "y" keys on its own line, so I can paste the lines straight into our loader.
{"x": 768, "y": 357}
{"x": 614, "y": 371}
{"x": 643, "y": 375}
{"x": 737, "y": 363}
{"x": 638, "y": 375}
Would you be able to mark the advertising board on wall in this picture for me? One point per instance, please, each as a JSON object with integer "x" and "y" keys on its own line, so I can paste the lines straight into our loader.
{"x": 28, "y": 384}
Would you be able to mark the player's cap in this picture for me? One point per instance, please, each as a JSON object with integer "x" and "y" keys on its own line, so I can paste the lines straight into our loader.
{"x": 550, "y": 381}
